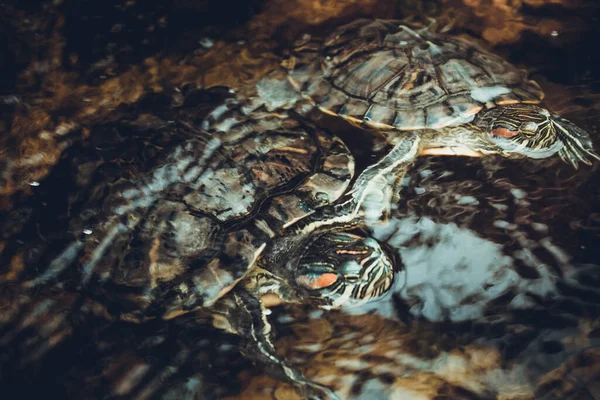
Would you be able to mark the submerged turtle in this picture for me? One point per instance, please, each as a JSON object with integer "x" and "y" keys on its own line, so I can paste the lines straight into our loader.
{"x": 254, "y": 203}
{"x": 426, "y": 94}
{"x": 194, "y": 231}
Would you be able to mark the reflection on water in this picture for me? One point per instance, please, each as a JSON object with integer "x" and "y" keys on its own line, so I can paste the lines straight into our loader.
{"x": 497, "y": 295}
{"x": 451, "y": 273}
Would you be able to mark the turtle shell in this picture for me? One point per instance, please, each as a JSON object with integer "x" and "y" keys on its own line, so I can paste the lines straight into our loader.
{"x": 386, "y": 75}
{"x": 184, "y": 232}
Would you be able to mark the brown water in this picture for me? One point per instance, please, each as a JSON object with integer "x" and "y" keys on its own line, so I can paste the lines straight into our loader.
{"x": 498, "y": 294}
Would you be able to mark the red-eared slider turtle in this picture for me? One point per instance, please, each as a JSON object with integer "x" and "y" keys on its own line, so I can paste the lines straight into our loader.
{"x": 427, "y": 94}
{"x": 195, "y": 230}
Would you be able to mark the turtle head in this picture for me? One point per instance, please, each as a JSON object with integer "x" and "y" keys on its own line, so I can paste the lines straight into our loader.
{"x": 345, "y": 269}
{"x": 526, "y": 130}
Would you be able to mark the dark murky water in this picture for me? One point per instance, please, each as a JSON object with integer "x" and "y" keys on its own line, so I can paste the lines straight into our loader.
{"x": 497, "y": 297}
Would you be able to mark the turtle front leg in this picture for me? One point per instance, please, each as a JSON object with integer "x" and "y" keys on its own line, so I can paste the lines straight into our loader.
{"x": 243, "y": 313}
{"x": 371, "y": 194}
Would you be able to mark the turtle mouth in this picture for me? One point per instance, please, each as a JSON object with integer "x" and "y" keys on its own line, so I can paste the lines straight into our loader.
{"x": 462, "y": 150}
{"x": 512, "y": 147}
{"x": 576, "y": 143}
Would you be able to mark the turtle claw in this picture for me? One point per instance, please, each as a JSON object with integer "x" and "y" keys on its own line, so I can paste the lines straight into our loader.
{"x": 320, "y": 392}
{"x": 311, "y": 390}
{"x": 575, "y": 157}
{"x": 592, "y": 154}
{"x": 564, "y": 155}
{"x": 577, "y": 145}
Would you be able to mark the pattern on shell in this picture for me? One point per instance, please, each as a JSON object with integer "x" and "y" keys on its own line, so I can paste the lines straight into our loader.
{"x": 182, "y": 234}
{"x": 387, "y": 75}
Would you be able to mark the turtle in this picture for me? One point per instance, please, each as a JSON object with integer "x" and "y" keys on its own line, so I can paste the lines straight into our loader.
{"x": 425, "y": 94}
{"x": 192, "y": 230}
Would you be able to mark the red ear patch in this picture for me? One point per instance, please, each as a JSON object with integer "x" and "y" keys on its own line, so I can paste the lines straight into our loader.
{"x": 318, "y": 281}
{"x": 504, "y": 132}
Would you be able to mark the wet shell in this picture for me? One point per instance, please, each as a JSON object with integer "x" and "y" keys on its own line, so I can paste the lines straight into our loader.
{"x": 183, "y": 233}
{"x": 388, "y": 75}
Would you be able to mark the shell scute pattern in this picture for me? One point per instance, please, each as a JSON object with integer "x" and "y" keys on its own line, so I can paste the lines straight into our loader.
{"x": 169, "y": 236}
{"x": 181, "y": 234}
{"x": 384, "y": 74}
{"x": 252, "y": 168}
{"x": 232, "y": 194}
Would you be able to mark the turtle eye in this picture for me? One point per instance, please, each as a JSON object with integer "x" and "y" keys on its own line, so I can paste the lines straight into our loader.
{"x": 528, "y": 128}
{"x": 351, "y": 270}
